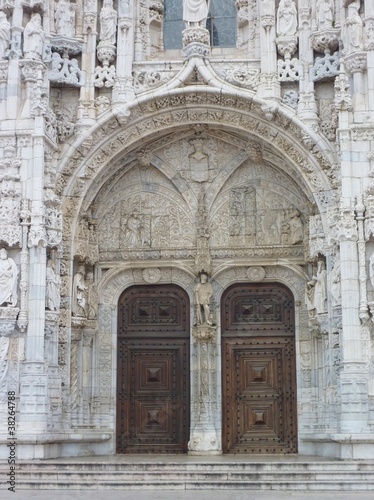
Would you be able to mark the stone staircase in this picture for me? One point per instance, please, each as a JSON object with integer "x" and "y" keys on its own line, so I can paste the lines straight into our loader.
{"x": 96, "y": 473}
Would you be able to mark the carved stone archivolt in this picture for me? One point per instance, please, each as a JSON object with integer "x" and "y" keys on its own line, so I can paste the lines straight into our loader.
{"x": 173, "y": 112}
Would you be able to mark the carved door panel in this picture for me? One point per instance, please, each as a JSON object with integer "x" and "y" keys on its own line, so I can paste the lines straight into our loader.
{"x": 153, "y": 371}
{"x": 259, "y": 382}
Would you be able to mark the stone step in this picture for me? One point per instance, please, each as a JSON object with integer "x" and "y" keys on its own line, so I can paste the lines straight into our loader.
{"x": 196, "y": 466}
{"x": 331, "y": 485}
{"x": 194, "y": 475}
{"x": 76, "y": 474}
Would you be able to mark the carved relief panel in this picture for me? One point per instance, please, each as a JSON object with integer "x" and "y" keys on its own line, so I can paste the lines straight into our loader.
{"x": 148, "y": 221}
{"x": 258, "y": 206}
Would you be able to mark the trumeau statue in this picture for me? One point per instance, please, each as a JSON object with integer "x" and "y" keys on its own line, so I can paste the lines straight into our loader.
{"x": 108, "y": 23}
{"x": 53, "y": 287}
{"x": 4, "y": 34}
{"x": 8, "y": 280}
{"x": 195, "y": 12}
{"x": 34, "y": 37}
{"x": 286, "y": 18}
{"x": 79, "y": 299}
{"x": 353, "y": 29}
{"x": 65, "y": 19}
{"x": 325, "y": 14}
{"x": 203, "y": 296}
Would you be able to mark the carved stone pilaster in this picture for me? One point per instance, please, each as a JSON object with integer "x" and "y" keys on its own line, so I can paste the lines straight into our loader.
{"x": 342, "y": 98}
{"x": 10, "y": 197}
{"x": 316, "y": 236}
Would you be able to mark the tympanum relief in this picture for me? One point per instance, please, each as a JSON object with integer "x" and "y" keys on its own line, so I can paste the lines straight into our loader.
{"x": 156, "y": 207}
{"x": 258, "y": 210}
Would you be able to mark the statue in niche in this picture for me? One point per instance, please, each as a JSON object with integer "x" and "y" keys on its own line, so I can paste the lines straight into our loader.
{"x": 316, "y": 291}
{"x": 286, "y": 18}
{"x": 33, "y": 37}
{"x": 53, "y": 287}
{"x": 325, "y": 14}
{"x": 203, "y": 297}
{"x": 79, "y": 299}
{"x": 8, "y": 280}
{"x": 195, "y": 13}
{"x": 199, "y": 161}
{"x": 353, "y": 29}
{"x": 295, "y": 225}
{"x": 92, "y": 296}
{"x": 65, "y": 18}
{"x": 335, "y": 284}
{"x": 108, "y": 23}
{"x": 4, "y": 34}
{"x": 133, "y": 228}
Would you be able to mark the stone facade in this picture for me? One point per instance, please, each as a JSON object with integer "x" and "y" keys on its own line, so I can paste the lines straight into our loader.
{"x": 123, "y": 163}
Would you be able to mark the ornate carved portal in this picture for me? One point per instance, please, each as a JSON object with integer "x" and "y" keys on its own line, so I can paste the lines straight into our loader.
{"x": 259, "y": 373}
{"x": 153, "y": 370}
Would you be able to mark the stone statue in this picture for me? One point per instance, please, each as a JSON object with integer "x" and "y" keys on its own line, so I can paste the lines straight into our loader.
{"x": 133, "y": 230}
{"x": 79, "y": 299}
{"x": 108, "y": 23}
{"x": 195, "y": 12}
{"x": 65, "y": 19}
{"x": 92, "y": 297}
{"x": 286, "y": 18}
{"x": 325, "y": 14}
{"x": 296, "y": 228}
{"x": 353, "y": 29}
{"x": 53, "y": 287}
{"x": 8, "y": 280}
{"x": 203, "y": 296}
{"x": 4, "y": 34}
{"x": 309, "y": 299}
{"x": 33, "y": 37}
{"x": 316, "y": 291}
{"x": 335, "y": 284}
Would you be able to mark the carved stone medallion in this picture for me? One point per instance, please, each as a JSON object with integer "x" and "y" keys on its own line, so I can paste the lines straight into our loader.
{"x": 152, "y": 275}
{"x": 256, "y": 273}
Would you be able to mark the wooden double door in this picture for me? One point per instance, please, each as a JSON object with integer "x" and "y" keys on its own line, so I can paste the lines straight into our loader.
{"x": 153, "y": 370}
{"x": 259, "y": 381}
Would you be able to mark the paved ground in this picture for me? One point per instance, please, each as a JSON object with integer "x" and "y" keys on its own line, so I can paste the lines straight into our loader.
{"x": 184, "y": 495}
